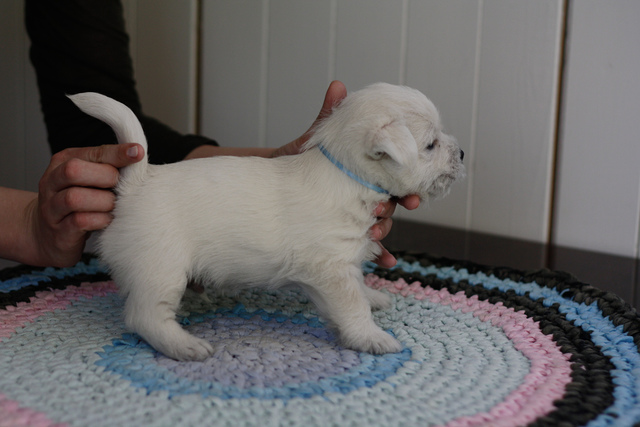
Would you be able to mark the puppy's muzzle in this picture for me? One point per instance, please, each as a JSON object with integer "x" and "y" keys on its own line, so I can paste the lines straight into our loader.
{"x": 461, "y": 155}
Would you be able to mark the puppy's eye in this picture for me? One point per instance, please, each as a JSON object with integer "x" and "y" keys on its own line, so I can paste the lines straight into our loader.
{"x": 433, "y": 145}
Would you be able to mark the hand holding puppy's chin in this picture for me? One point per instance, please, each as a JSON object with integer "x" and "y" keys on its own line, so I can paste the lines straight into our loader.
{"x": 382, "y": 227}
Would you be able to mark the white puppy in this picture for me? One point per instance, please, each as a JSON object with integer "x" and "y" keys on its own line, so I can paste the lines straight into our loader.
{"x": 238, "y": 222}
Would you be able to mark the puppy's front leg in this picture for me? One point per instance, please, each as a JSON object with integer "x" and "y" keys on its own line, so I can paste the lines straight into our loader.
{"x": 342, "y": 299}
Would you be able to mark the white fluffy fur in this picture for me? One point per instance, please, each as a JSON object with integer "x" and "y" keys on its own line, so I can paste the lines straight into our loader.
{"x": 233, "y": 222}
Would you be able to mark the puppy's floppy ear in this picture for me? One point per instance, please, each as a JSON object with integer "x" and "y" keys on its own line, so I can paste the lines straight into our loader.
{"x": 394, "y": 140}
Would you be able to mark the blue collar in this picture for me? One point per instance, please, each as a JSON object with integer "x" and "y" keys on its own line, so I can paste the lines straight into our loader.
{"x": 349, "y": 173}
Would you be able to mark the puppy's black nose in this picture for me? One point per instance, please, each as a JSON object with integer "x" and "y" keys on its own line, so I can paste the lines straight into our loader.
{"x": 461, "y": 155}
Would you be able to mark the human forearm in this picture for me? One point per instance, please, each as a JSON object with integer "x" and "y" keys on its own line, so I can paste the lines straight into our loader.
{"x": 16, "y": 231}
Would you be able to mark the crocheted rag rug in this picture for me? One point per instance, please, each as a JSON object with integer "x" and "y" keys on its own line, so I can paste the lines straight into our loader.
{"x": 482, "y": 346}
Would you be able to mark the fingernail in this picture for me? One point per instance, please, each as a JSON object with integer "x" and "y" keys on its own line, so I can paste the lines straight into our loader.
{"x": 392, "y": 261}
{"x": 379, "y": 210}
{"x": 133, "y": 152}
{"x": 376, "y": 233}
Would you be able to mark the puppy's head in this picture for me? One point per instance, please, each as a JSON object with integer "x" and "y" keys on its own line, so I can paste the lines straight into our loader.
{"x": 392, "y": 136}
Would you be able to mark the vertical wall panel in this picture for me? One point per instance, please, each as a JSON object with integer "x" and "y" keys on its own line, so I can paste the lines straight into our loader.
{"x": 163, "y": 47}
{"x": 445, "y": 72}
{"x": 517, "y": 95}
{"x": 231, "y": 69}
{"x": 299, "y": 36}
{"x": 490, "y": 66}
{"x": 599, "y": 176}
{"x": 368, "y": 42}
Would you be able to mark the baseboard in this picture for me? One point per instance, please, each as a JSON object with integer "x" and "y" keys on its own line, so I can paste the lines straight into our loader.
{"x": 611, "y": 273}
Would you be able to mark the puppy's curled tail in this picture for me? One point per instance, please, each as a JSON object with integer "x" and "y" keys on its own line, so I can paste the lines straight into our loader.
{"x": 124, "y": 123}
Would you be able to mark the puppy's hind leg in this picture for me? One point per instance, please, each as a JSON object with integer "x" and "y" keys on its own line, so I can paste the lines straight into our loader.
{"x": 377, "y": 299}
{"x": 150, "y": 311}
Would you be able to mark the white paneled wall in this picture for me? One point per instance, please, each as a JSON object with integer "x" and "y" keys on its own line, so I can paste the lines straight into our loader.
{"x": 448, "y": 73}
{"x": 517, "y": 94}
{"x": 164, "y": 43}
{"x": 599, "y": 163}
{"x": 233, "y": 83}
{"x": 491, "y": 67}
{"x": 298, "y": 33}
{"x": 370, "y": 41}
{"x": 258, "y": 73}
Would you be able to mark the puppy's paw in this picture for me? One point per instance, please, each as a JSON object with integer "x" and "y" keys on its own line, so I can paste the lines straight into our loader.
{"x": 377, "y": 299}
{"x": 174, "y": 342}
{"x": 189, "y": 349}
{"x": 375, "y": 342}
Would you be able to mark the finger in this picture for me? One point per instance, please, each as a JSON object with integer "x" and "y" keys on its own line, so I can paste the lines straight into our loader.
{"x": 68, "y": 239}
{"x": 385, "y": 259}
{"x": 82, "y": 199}
{"x": 119, "y": 156}
{"x": 77, "y": 199}
{"x": 410, "y": 202}
{"x": 116, "y": 155}
{"x": 385, "y": 209}
{"x": 79, "y": 224}
{"x": 336, "y": 92}
{"x": 77, "y": 172}
{"x": 381, "y": 229}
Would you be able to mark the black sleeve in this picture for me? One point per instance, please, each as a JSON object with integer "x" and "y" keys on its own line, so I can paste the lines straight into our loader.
{"x": 82, "y": 46}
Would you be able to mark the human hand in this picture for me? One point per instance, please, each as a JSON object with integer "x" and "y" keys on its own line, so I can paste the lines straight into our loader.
{"x": 334, "y": 95}
{"x": 381, "y": 229}
{"x": 75, "y": 198}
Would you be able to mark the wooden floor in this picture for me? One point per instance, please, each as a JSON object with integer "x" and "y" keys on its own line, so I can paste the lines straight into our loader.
{"x": 608, "y": 272}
